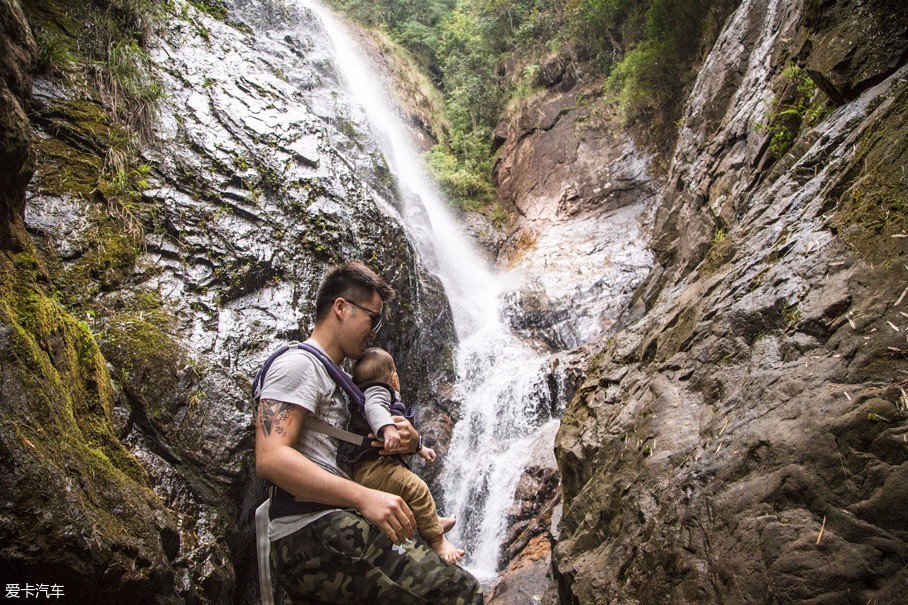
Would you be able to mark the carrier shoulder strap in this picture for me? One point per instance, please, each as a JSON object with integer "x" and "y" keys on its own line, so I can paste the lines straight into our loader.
{"x": 337, "y": 375}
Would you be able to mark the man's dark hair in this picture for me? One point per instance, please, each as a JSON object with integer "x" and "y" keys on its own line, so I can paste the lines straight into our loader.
{"x": 352, "y": 281}
{"x": 375, "y": 364}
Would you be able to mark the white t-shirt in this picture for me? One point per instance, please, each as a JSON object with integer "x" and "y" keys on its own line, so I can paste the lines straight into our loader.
{"x": 299, "y": 378}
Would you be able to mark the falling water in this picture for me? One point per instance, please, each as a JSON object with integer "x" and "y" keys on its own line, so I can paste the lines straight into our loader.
{"x": 500, "y": 379}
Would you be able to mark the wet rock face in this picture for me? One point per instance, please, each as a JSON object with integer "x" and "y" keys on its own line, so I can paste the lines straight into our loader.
{"x": 564, "y": 177}
{"x": 743, "y": 438}
{"x": 17, "y": 59}
{"x": 536, "y": 496}
{"x": 263, "y": 176}
{"x": 526, "y": 552}
{"x": 853, "y": 46}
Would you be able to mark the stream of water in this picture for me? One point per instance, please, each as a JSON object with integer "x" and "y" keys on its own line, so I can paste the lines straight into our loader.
{"x": 500, "y": 379}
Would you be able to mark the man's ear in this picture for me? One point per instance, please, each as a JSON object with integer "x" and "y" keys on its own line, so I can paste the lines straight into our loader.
{"x": 338, "y": 306}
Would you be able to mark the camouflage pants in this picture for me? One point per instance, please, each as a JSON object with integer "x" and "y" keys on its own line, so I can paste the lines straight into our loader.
{"x": 342, "y": 558}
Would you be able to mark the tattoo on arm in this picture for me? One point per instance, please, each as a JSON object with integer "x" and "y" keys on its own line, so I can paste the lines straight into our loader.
{"x": 275, "y": 416}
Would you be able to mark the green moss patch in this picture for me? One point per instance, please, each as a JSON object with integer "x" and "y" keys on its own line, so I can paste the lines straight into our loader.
{"x": 872, "y": 198}
{"x": 70, "y": 486}
{"x": 148, "y": 360}
{"x": 63, "y": 372}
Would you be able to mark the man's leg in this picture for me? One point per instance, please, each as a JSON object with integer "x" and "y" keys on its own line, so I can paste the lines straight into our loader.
{"x": 342, "y": 558}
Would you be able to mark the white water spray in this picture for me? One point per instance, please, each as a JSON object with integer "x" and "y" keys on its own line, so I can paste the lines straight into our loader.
{"x": 500, "y": 379}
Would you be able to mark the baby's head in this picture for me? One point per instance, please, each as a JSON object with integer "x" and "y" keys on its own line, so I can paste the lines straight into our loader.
{"x": 375, "y": 365}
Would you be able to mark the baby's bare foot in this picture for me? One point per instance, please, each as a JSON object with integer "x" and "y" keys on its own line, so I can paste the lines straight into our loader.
{"x": 447, "y": 523}
{"x": 446, "y": 550}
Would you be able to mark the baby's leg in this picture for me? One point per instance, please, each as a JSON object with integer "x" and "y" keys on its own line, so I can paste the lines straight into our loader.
{"x": 390, "y": 476}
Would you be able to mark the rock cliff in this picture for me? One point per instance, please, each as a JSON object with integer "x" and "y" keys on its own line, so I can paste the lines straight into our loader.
{"x": 743, "y": 437}
{"x": 577, "y": 189}
{"x": 152, "y": 287}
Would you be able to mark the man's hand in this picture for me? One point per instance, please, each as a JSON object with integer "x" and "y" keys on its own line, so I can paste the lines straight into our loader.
{"x": 390, "y": 437}
{"x": 390, "y": 513}
{"x": 427, "y": 454}
{"x": 409, "y": 438}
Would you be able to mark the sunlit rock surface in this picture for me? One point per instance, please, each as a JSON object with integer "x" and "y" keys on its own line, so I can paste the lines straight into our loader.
{"x": 578, "y": 194}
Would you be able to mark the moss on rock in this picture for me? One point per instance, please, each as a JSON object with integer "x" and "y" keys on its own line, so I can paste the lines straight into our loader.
{"x": 73, "y": 490}
{"x": 872, "y": 197}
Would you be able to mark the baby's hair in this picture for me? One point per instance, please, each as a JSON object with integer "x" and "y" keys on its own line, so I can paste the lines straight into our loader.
{"x": 375, "y": 365}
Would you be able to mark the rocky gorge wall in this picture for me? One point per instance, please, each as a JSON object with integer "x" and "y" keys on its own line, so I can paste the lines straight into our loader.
{"x": 739, "y": 319}
{"x": 136, "y": 311}
{"x": 579, "y": 193}
{"x": 743, "y": 437}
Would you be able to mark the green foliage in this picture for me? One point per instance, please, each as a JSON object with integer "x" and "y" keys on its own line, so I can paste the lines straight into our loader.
{"x": 54, "y": 53}
{"x": 720, "y": 250}
{"x": 421, "y": 39}
{"x": 413, "y": 23}
{"x": 660, "y": 57}
{"x": 497, "y": 215}
{"x": 797, "y": 107}
{"x": 124, "y": 19}
{"x": 527, "y": 84}
{"x": 468, "y": 63}
{"x": 101, "y": 47}
{"x": 215, "y": 8}
{"x": 464, "y": 180}
{"x": 605, "y": 27}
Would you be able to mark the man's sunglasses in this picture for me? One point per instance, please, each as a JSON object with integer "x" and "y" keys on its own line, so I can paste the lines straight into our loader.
{"x": 374, "y": 316}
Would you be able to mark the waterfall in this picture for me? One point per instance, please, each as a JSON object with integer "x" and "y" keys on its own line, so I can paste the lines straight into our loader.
{"x": 501, "y": 380}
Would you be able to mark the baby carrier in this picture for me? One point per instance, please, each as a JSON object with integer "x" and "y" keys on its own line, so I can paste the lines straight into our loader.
{"x": 355, "y": 444}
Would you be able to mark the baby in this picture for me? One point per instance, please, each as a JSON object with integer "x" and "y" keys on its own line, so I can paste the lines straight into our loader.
{"x": 376, "y": 374}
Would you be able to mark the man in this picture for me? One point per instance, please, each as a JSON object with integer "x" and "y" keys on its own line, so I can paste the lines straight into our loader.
{"x": 321, "y": 549}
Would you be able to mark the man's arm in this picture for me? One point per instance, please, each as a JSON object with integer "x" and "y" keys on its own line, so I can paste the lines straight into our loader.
{"x": 278, "y": 426}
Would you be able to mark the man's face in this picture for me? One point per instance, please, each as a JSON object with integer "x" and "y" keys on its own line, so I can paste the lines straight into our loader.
{"x": 357, "y": 325}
